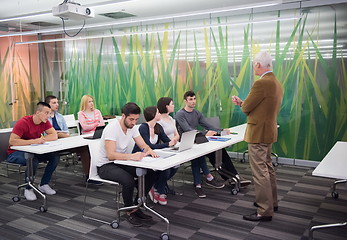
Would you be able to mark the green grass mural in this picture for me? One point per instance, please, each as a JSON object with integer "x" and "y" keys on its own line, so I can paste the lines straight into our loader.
{"x": 144, "y": 67}
{"x": 141, "y": 68}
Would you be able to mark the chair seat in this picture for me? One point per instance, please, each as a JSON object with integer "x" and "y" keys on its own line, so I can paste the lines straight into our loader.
{"x": 97, "y": 178}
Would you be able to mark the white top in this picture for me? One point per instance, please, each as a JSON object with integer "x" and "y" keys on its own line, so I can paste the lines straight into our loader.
{"x": 169, "y": 127}
{"x": 334, "y": 164}
{"x": 154, "y": 139}
{"x": 114, "y": 132}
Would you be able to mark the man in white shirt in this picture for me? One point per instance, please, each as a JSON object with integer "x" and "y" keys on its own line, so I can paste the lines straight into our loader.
{"x": 115, "y": 141}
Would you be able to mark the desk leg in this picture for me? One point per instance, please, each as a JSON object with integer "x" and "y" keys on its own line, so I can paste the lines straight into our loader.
{"x": 334, "y": 193}
{"x": 140, "y": 172}
{"x": 325, "y": 226}
{"x": 30, "y": 180}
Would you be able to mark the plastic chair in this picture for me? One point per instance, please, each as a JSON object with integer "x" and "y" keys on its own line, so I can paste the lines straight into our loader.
{"x": 71, "y": 122}
{"x": 94, "y": 149}
{"x": 8, "y": 167}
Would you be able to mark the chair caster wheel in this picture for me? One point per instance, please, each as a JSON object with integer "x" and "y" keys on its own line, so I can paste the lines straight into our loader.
{"x": 335, "y": 194}
{"x": 164, "y": 236}
{"x": 43, "y": 209}
{"x": 234, "y": 191}
{"x": 16, "y": 199}
{"x": 114, "y": 224}
{"x": 275, "y": 164}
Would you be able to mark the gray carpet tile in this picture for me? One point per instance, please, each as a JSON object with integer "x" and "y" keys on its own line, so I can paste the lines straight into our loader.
{"x": 304, "y": 201}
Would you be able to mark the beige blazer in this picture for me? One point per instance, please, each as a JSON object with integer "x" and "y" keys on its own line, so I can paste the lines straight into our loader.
{"x": 262, "y": 106}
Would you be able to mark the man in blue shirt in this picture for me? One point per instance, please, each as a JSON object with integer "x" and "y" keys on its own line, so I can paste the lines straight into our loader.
{"x": 56, "y": 119}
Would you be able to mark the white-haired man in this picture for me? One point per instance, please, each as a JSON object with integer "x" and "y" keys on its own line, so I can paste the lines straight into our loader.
{"x": 261, "y": 107}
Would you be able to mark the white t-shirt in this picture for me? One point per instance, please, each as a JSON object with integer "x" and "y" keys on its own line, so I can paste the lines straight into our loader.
{"x": 169, "y": 127}
{"x": 114, "y": 132}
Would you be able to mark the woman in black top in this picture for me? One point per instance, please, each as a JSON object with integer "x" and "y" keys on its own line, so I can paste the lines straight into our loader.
{"x": 154, "y": 136}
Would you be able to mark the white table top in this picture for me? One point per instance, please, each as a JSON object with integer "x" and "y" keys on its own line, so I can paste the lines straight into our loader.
{"x": 54, "y": 146}
{"x": 334, "y": 164}
{"x": 185, "y": 156}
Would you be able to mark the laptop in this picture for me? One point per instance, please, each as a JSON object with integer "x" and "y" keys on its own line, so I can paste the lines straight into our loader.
{"x": 97, "y": 134}
{"x": 187, "y": 142}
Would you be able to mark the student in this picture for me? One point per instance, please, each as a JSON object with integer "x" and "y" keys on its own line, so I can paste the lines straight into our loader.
{"x": 154, "y": 136}
{"x": 89, "y": 117}
{"x": 29, "y": 130}
{"x": 115, "y": 139}
{"x": 188, "y": 118}
{"x": 59, "y": 124}
{"x": 165, "y": 105}
{"x": 262, "y": 106}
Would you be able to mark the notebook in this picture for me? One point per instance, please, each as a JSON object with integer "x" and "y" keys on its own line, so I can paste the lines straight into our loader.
{"x": 187, "y": 142}
{"x": 97, "y": 134}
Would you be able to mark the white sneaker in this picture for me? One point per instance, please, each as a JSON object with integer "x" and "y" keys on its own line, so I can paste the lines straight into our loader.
{"x": 47, "y": 189}
{"x": 30, "y": 195}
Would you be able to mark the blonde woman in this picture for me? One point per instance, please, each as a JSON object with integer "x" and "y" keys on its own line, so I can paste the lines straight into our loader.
{"x": 89, "y": 117}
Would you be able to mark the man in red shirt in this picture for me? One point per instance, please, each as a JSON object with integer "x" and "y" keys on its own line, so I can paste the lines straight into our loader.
{"x": 29, "y": 130}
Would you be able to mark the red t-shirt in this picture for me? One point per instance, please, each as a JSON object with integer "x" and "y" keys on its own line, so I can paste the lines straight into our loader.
{"x": 26, "y": 129}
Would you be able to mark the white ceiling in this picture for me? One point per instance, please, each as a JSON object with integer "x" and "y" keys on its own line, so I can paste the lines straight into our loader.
{"x": 140, "y": 8}
{"x": 151, "y": 9}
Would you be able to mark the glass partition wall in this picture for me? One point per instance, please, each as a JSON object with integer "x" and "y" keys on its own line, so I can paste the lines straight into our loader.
{"x": 210, "y": 54}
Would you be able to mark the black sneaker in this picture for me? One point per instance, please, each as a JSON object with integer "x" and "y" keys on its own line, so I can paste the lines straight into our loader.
{"x": 133, "y": 219}
{"x": 98, "y": 183}
{"x": 200, "y": 192}
{"x": 141, "y": 215}
{"x": 214, "y": 183}
{"x": 168, "y": 190}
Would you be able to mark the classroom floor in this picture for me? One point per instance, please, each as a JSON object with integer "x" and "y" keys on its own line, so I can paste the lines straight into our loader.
{"x": 304, "y": 201}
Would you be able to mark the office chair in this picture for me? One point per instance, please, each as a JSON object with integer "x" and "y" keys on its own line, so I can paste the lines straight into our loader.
{"x": 7, "y": 166}
{"x": 94, "y": 149}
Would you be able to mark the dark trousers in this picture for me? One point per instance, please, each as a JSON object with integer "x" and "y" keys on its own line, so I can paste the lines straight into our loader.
{"x": 125, "y": 175}
{"x": 162, "y": 178}
{"x": 227, "y": 164}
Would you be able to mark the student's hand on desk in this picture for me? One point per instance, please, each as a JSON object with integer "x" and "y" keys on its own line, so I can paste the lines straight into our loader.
{"x": 172, "y": 142}
{"x": 226, "y": 131}
{"x": 40, "y": 140}
{"x": 152, "y": 153}
{"x": 210, "y": 133}
{"x": 138, "y": 156}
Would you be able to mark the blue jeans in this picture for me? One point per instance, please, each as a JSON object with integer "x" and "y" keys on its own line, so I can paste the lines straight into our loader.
{"x": 196, "y": 165}
{"x": 52, "y": 158}
{"x": 163, "y": 177}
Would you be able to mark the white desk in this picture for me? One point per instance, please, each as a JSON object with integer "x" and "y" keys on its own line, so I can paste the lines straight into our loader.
{"x": 333, "y": 165}
{"x": 198, "y": 150}
{"x": 182, "y": 157}
{"x": 54, "y": 146}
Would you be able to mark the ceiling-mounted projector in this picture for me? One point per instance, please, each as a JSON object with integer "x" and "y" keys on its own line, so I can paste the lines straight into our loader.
{"x": 71, "y": 10}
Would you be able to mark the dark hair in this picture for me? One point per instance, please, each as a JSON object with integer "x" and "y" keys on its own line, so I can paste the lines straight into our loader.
{"x": 189, "y": 93}
{"x": 49, "y": 98}
{"x": 162, "y": 103}
{"x": 149, "y": 113}
{"x": 130, "y": 108}
{"x": 41, "y": 105}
